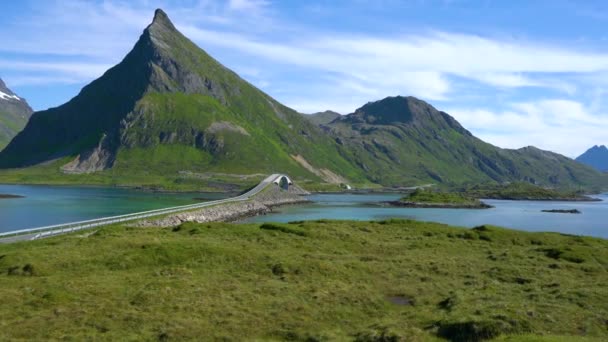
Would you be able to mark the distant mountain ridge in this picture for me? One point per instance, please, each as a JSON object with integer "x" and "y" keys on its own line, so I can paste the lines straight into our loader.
{"x": 14, "y": 113}
{"x": 406, "y": 140}
{"x": 169, "y": 107}
{"x": 596, "y": 157}
{"x": 322, "y": 118}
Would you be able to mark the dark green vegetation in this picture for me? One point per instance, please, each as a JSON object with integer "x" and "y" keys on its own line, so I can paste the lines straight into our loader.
{"x": 521, "y": 191}
{"x": 597, "y": 157}
{"x": 14, "y": 114}
{"x": 432, "y": 197}
{"x": 170, "y": 108}
{"x": 314, "y": 281}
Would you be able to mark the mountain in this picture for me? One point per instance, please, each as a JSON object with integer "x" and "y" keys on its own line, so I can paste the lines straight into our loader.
{"x": 14, "y": 113}
{"x": 169, "y": 107}
{"x": 596, "y": 157}
{"x": 403, "y": 140}
{"x": 322, "y": 118}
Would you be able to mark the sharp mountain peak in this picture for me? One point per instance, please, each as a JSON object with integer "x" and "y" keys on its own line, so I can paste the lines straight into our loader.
{"x": 161, "y": 25}
{"x": 161, "y": 17}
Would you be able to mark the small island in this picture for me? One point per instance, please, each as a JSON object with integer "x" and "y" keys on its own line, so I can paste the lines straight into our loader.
{"x": 8, "y": 196}
{"x": 522, "y": 191}
{"x": 562, "y": 211}
{"x": 421, "y": 198}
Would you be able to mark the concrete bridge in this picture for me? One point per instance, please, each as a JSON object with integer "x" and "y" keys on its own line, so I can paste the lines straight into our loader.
{"x": 278, "y": 179}
{"x": 283, "y": 181}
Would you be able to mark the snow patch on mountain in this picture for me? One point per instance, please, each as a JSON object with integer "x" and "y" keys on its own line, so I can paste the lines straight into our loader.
{"x": 8, "y": 97}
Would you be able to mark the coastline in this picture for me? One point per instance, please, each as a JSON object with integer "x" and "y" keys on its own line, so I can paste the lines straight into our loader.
{"x": 262, "y": 204}
{"x": 562, "y": 199}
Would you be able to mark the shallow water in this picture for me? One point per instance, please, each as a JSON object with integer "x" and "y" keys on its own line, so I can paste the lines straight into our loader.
{"x": 524, "y": 215}
{"x": 48, "y": 205}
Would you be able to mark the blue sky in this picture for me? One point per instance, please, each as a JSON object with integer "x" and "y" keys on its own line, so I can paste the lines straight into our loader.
{"x": 515, "y": 73}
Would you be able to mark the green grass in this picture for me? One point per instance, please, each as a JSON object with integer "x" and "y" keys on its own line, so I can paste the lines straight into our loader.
{"x": 324, "y": 280}
{"x": 439, "y": 197}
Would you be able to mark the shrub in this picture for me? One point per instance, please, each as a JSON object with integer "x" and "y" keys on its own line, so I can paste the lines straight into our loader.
{"x": 28, "y": 270}
{"x": 473, "y": 331}
{"x": 449, "y": 303}
{"x": 378, "y": 334}
{"x": 278, "y": 270}
{"x": 482, "y": 229}
{"x": 557, "y": 254}
{"x": 485, "y": 237}
{"x": 467, "y": 236}
{"x": 282, "y": 228}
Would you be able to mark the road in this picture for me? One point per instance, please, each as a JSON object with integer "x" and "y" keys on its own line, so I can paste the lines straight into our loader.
{"x": 42, "y": 232}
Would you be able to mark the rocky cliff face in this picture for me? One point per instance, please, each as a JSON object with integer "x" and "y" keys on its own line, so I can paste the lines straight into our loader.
{"x": 14, "y": 113}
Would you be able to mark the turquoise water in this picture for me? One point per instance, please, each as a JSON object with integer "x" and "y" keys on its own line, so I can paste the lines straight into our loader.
{"x": 48, "y": 205}
{"x": 524, "y": 215}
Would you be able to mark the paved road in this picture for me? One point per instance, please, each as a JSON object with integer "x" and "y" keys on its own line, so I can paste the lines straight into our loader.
{"x": 42, "y": 232}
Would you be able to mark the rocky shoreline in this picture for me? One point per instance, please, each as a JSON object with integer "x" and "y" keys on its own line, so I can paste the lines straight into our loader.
{"x": 8, "y": 196}
{"x": 405, "y": 204}
{"x": 584, "y": 198}
{"x": 262, "y": 204}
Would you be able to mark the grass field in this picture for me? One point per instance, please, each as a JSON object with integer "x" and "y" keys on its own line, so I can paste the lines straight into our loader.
{"x": 306, "y": 281}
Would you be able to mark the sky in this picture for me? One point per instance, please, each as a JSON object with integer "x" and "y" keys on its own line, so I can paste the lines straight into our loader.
{"x": 515, "y": 73}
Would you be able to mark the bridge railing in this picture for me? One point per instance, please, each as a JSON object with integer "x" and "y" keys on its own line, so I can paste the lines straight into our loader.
{"x": 75, "y": 226}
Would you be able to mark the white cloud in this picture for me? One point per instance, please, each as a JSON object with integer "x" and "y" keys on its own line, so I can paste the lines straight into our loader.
{"x": 333, "y": 70}
{"x": 554, "y": 124}
{"x": 40, "y": 80}
{"x": 82, "y": 71}
{"x": 248, "y": 5}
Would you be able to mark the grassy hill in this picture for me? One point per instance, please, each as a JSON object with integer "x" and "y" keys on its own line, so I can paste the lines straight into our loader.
{"x": 393, "y": 280}
{"x": 432, "y": 196}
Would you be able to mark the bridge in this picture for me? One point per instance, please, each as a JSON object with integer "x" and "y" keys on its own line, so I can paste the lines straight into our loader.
{"x": 41, "y": 232}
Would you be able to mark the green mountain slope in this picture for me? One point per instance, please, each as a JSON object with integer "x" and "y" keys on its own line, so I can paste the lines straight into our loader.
{"x": 14, "y": 113}
{"x": 403, "y": 140}
{"x": 170, "y": 115}
{"x": 169, "y": 107}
